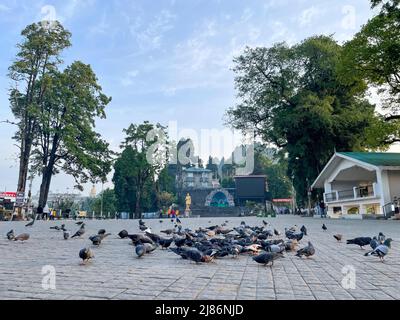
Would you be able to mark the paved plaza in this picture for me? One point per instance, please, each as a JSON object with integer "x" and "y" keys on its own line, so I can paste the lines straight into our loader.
{"x": 116, "y": 272}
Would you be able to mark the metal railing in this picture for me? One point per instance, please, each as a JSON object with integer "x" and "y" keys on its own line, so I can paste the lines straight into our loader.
{"x": 352, "y": 194}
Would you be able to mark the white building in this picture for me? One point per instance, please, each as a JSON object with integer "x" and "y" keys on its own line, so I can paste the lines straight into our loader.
{"x": 360, "y": 183}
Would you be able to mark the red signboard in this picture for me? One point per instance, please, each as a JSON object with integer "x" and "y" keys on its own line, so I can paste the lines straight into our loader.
{"x": 8, "y": 194}
{"x": 282, "y": 200}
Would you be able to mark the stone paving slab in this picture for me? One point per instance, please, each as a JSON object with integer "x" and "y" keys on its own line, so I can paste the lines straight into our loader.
{"x": 116, "y": 273}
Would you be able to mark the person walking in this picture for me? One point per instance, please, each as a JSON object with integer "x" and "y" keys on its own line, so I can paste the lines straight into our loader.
{"x": 39, "y": 212}
{"x": 323, "y": 209}
{"x": 46, "y": 212}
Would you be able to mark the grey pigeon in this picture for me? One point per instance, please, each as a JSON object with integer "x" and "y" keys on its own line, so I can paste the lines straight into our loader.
{"x": 66, "y": 235}
{"x": 86, "y": 254}
{"x": 30, "y": 224}
{"x": 123, "y": 234}
{"x": 96, "y": 240}
{"x": 276, "y": 248}
{"x": 374, "y": 243}
{"x": 80, "y": 232}
{"x": 304, "y": 230}
{"x": 307, "y": 251}
{"x": 140, "y": 250}
{"x": 381, "y": 238}
{"x": 381, "y": 251}
{"x": 360, "y": 241}
{"x": 10, "y": 235}
{"x": 266, "y": 258}
{"x": 324, "y": 227}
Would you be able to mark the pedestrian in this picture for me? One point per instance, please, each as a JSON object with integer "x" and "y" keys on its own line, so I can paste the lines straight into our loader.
{"x": 46, "y": 212}
{"x": 39, "y": 212}
{"x": 323, "y": 209}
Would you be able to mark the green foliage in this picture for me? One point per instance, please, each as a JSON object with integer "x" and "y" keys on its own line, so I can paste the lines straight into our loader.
{"x": 39, "y": 55}
{"x": 142, "y": 160}
{"x": 296, "y": 100}
{"x": 228, "y": 183}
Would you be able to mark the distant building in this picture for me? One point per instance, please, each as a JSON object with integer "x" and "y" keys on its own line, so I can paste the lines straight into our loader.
{"x": 197, "y": 178}
{"x": 359, "y": 184}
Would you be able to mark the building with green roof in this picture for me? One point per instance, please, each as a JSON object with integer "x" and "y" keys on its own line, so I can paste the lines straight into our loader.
{"x": 360, "y": 184}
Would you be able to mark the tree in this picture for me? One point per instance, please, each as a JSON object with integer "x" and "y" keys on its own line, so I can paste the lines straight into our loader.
{"x": 38, "y": 56}
{"x": 109, "y": 200}
{"x": 144, "y": 156}
{"x": 374, "y": 55}
{"x": 295, "y": 99}
{"x": 66, "y": 139}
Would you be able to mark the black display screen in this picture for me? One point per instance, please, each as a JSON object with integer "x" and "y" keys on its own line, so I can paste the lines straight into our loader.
{"x": 250, "y": 187}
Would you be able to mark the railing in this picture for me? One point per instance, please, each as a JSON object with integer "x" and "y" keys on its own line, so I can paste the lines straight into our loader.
{"x": 346, "y": 194}
{"x": 352, "y": 194}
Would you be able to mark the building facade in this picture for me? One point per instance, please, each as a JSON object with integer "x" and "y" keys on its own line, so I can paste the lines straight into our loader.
{"x": 197, "y": 178}
{"x": 358, "y": 184}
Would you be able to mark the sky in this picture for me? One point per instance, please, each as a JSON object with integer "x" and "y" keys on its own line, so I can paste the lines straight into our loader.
{"x": 166, "y": 61}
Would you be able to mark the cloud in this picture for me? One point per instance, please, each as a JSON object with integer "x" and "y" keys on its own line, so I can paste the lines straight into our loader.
{"x": 128, "y": 80}
{"x": 151, "y": 36}
{"x": 4, "y": 8}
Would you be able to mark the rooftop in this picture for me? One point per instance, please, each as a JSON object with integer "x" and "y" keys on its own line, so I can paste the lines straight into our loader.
{"x": 375, "y": 158}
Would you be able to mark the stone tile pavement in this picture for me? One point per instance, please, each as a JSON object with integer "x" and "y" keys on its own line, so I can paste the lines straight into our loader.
{"x": 116, "y": 273}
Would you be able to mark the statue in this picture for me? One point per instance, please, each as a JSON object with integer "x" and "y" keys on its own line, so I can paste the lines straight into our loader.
{"x": 188, "y": 200}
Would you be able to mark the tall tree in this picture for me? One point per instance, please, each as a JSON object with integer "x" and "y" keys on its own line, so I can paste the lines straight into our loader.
{"x": 144, "y": 156}
{"x": 374, "y": 55}
{"x": 294, "y": 98}
{"x": 66, "y": 139}
{"x": 38, "y": 56}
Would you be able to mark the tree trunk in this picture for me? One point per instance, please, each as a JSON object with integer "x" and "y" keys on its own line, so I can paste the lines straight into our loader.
{"x": 47, "y": 174}
{"x": 137, "y": 204}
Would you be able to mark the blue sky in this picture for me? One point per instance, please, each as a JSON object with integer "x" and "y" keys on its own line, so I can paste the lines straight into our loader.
{"x": 164, "y": 60}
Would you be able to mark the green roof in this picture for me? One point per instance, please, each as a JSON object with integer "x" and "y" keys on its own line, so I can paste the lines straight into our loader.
{"x": 375, "y": 158}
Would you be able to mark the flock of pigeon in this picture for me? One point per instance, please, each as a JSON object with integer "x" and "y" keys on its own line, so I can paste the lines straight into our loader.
{"x": 204, "y": 245}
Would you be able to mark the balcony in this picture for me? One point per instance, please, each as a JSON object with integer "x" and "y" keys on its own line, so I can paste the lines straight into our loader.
{"x": 357, "y": 193}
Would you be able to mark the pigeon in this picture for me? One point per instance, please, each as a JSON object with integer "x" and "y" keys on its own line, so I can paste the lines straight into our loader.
{"x": 165, "y": 243}
{"x": 80, "y": 232}
{"x": 141, "y": 222}
{"x": 198, "y": 257}
{"x": 381, "y": 238}
{"x": 10, "y": 235}
{"x": 79, "y": 223}
{"x": 374, "y": 243}
{"x": 161, "y": 221}
{"x": 30, "y": 224}
{"x": 276, "y": 248}
{"x": 123, "y": 234}
{"x": 96, "y": 240}
{"x": 338, "y": 237}
{"x": 266, "y": 258}
{"x": 22, "y": 237}
{"x": 304, "y": 230}
{"x": 149, "y": 247}
{"x": 140, "y": 237}
{"x": 66, "y": 235}
{"x": 168, "y": 231}
{"x": 152, "y": 236}
{"x": 324, "y": 227}
{"x": 307, "y": 251}
{"x": 382, "y": 250}
{"x": 276, "y": 232}
{"x": 140, "y": 250}
{"x": 265, "y": 223}
{"x": 86, "y": 254}
{"x": 63, "y": 227}
{"x": 142, "y": 227}
{"x": 361, "y": 241}
{"x": 55, "y": 228}
{"x": 178, "y": 221}
{"x": 101, "y": 231}
{"x": 180, "y": 252}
